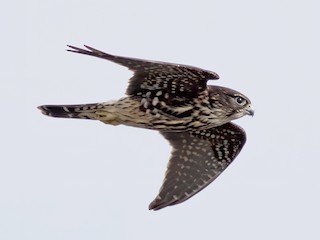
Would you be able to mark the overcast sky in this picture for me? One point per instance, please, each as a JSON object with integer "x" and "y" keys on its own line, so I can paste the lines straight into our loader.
{"x": 78, "y": 179}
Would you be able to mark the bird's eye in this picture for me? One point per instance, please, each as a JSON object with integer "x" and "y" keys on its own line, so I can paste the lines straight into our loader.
{"x": 240, "y": 100}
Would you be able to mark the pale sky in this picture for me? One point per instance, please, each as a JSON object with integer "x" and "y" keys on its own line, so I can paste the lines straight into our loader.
{"x": 78, "y": 179}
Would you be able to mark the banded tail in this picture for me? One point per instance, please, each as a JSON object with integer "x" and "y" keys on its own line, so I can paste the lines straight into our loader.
{"x": 97, "y": 111}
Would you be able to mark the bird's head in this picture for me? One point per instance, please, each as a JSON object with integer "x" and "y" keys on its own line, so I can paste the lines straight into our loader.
{"x": 229, "y": 103}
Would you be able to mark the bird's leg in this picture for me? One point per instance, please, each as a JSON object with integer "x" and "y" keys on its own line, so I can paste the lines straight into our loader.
{"x": 107, "y": 117}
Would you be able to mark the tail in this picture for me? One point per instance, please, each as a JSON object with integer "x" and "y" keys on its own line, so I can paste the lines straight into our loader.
{"x": 70, "y": 111}
{"x": 97, "y": 111}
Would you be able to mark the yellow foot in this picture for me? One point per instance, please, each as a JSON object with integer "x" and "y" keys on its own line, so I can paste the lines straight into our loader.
{"x": 106, "y": 117}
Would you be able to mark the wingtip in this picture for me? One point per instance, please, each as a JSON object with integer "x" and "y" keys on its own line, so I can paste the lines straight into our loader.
{"x": 154, "y": 205}
{"x": 73, "y": 48}
{"x": 87, "y": 50}
{"x": 159, "y": 203}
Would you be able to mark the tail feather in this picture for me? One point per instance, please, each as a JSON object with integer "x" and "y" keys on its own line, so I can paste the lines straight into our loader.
{"x": 86, "y": 111}
{"x": 104, "y": 112}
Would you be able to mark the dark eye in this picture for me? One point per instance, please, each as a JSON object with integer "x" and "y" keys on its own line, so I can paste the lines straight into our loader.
{"x": 240, "y": 100}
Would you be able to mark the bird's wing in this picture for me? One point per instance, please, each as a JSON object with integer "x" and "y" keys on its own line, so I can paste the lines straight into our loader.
{"x": 196, "y": 160}
{"x": 157, "y": 78}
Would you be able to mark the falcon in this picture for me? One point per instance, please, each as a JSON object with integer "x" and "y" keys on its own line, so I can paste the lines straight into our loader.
{"x": 175, "y": 100}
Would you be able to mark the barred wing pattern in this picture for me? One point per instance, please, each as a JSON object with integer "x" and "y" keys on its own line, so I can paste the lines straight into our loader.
{"x": 158, "y": 78}
{"x": 197, "y": 159}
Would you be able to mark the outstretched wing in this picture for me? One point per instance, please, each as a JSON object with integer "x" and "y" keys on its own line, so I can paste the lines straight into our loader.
{"x": 153, "y": 78}
{"x": 196, "y": 160}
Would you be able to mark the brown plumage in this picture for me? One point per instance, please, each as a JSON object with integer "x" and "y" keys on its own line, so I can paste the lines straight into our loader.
{"x": 175, "y": 100}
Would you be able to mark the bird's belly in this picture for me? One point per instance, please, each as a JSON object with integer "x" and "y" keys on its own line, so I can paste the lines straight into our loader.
{"x": 185, "y": 118}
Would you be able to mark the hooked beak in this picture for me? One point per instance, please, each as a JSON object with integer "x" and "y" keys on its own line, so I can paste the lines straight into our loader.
{"x": 249, "y": 111}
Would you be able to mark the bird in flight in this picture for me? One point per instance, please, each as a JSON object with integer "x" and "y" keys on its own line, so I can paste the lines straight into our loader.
{"x": 175, "y": 100}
